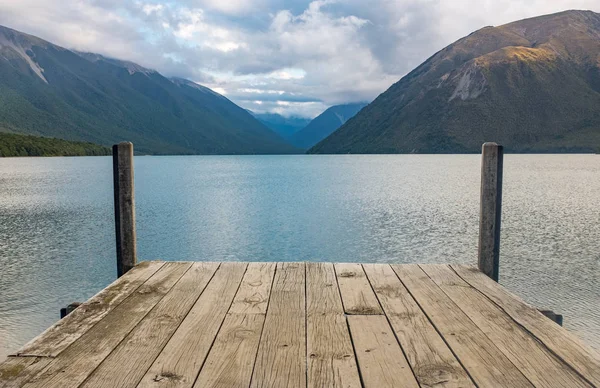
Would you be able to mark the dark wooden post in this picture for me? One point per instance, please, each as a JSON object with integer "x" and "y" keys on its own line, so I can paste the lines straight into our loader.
{"x": 491, "y": 209}
{"x": 124, "y": 206}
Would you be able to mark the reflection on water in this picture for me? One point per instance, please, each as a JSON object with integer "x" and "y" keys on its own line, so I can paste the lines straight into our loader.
{"x": 57, "y": 237}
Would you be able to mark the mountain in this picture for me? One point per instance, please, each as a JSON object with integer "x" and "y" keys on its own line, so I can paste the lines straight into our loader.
{"x": 281, "y": 125}
{"x": 47, "y": 90}
{"x": 325, "y": 124}
{"x": 531, "y": 85}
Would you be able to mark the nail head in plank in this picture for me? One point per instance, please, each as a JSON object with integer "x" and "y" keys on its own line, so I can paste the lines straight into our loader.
{"x": 430, "y": 358}
{"x": 330, "y": 356}
{"x": 281, "y": 359}
{"x": 380, "y": 358}
{"x": 484, "y": 362}
{"x": 357, "y": 294}
{"x": 66, "y": 331}
{"x": 563, "y": 343}
{"x": 80, "y": 359}
{"x": 180, "y": 361}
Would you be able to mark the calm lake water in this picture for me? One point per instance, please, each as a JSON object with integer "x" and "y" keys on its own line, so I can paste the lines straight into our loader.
{"x": 57, "y": 233}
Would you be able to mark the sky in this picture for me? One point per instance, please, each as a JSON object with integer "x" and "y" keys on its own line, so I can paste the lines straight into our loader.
{"x": 291, "y": 57}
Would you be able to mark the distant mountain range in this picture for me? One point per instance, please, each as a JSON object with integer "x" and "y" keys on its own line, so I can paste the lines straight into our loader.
{"x": 47, "y": 90}
{"x": 325, "y": 124}
{"x": 531, "y": 85}
{"x": 281, "y": 125}
{"x": 304, "y": 133}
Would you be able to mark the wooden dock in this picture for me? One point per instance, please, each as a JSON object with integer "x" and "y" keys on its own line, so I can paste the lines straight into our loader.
{"x": 233, "y": 324}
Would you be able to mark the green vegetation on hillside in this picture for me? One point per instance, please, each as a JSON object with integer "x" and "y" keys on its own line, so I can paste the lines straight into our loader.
{"x": 46, "y": 90}
{"x": 25, "y": 145}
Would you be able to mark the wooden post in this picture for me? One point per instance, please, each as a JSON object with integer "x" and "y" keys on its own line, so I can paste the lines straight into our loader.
{"x": 124, "y": 206}
{"x": 491, "y": 209}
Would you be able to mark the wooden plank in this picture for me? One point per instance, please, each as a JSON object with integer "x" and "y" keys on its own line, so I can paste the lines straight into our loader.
{"x": 59, "y": 336}
{"x": 330, "y": 356}
{"x": 492, "y": 156}
{"x": 80, "y": 359}
{"x": 253, "y": 295}
{"x": 124, "y": 196}
{"x": 380, "y": 358}
{"x": 231, "y": 359}
{"x": 563, "y": 344}
{"x": 357, "y": 295}
{"x": 281, "y": 359}
{"x": 16, "y": 371}
{"x": 128, "y": 363}
{"x": 181, "y": 359}
{"x": 430, "y": 358}
{"x": 485, "y": 363}
{"x": 524, "y": 351}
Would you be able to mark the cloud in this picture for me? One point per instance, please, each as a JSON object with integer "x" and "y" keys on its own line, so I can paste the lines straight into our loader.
{"x": 287, "y": 56}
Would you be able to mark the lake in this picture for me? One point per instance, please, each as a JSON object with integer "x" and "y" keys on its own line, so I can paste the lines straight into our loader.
{"x": 57, "y": 231}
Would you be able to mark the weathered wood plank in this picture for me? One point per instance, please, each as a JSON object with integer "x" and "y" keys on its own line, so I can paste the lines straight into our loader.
{"x": 380, "y": 358}
{"x": 431, "y": 360}
{"x": 281, "y": 359}
{"x": 330, "y": 356}
{"x": 15, "y": 371}
{"x": 180, "y": 361}
{"x": 80, "y": 359}
{"x": 564, "y": 344}
{"x": 357, "y": 295}
{"x": 59, "y": 336}
{"x": 128, "y": 363}
{"x": 484, "y": 362}
{"x": 253, "y": 295}
{"x": 231, "y": 359}
{"x": 539, "y": 365}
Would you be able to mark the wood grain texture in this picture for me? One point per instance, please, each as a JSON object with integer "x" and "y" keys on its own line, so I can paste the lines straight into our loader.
{"x": 431, "y": 360}
{"x": 523, "y": 350}
{"x": 232, "y": 356}
{"x": 80, "y": 359}
{"x": 284, "y": 325}
{"x": 281, "y": 359}
{"x": 564, "y": 344}
{"x": 124, "y": 199}
{"x": 380, "y": 358}
{"x": 181, "y": 359}
{"x": 253, "y": 295}
{"x": 16, "y": 371}
{"x": 484, "y": 362}
{"x": 357, "y": 295}
{"x": 490, "y": 213}
{"x": 330, "y": 356}
{"x": 131, "y": 359}
{"x": 66, "y": 331}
